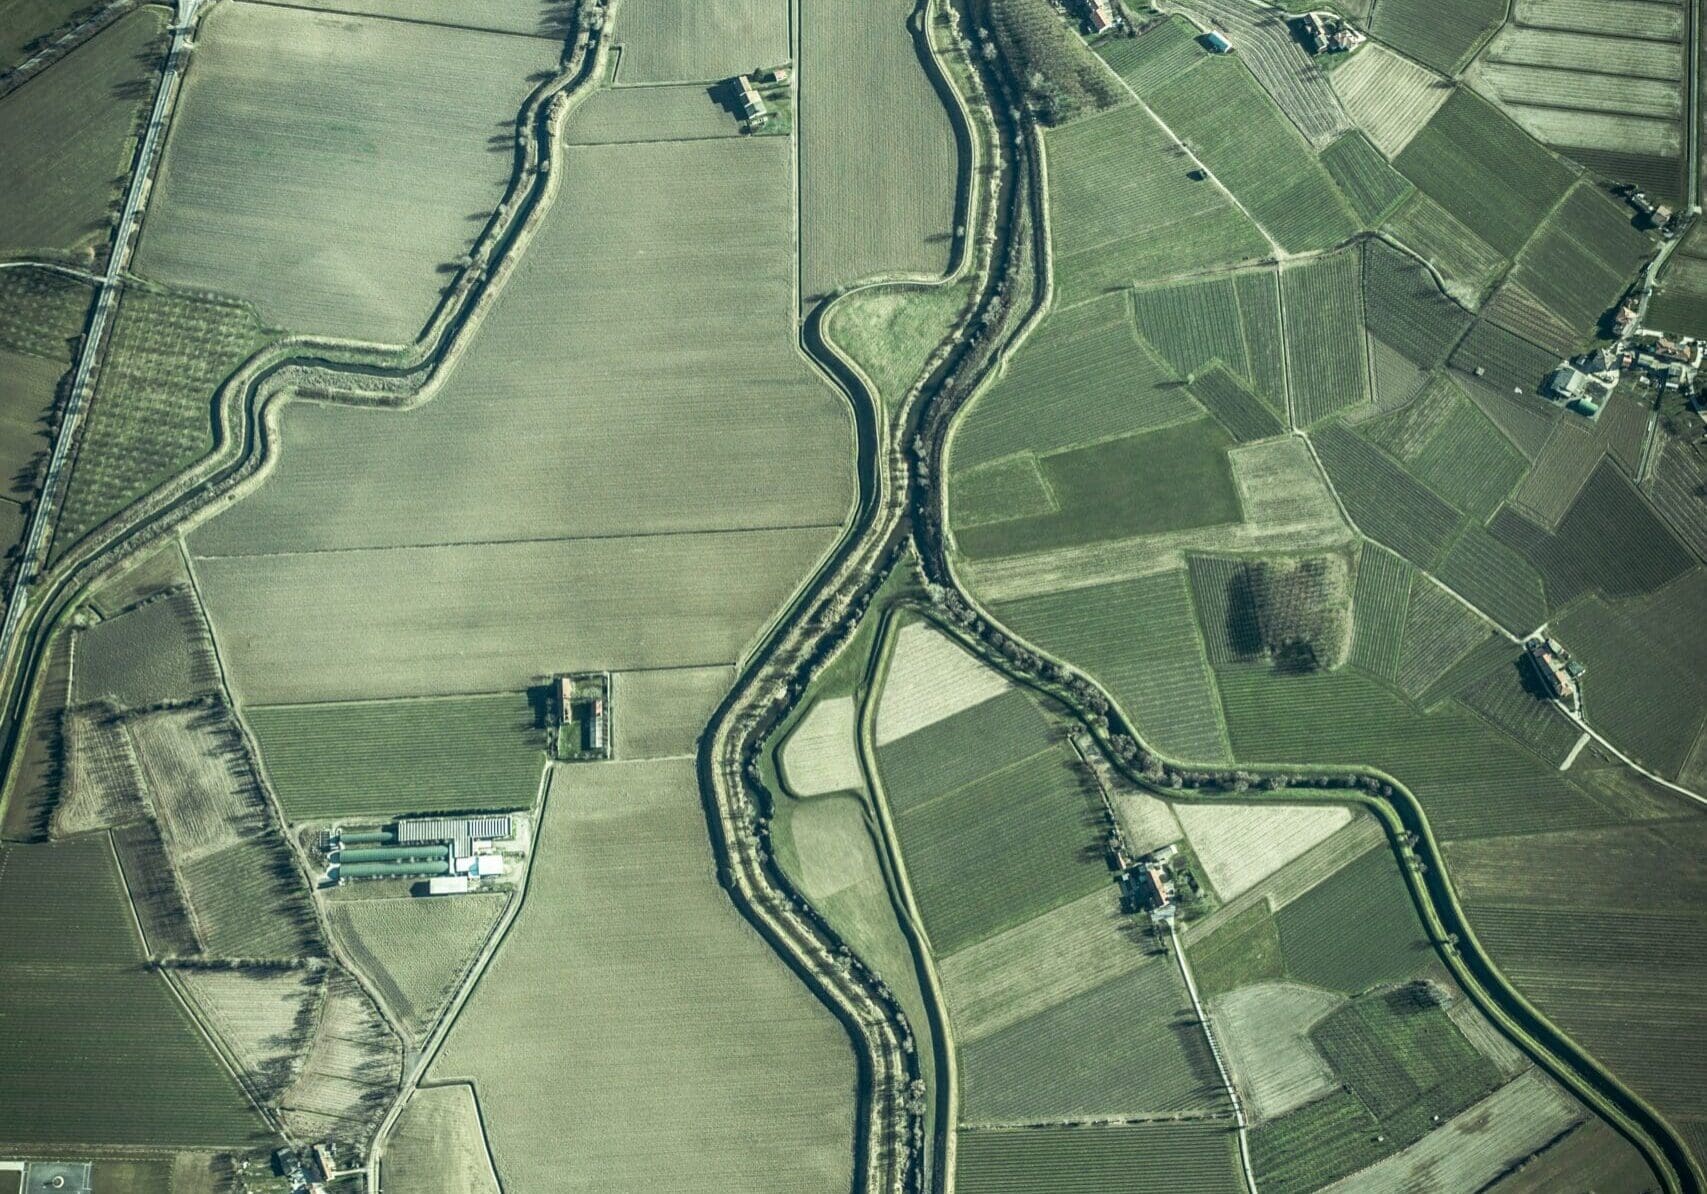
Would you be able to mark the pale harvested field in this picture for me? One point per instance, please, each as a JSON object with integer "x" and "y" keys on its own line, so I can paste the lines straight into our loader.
{"x": 1569, "y": 49}
{"x": 1474, "y": 1147}
{"x": 1044, "y": 962}
{"x": 668, "y": 41}
{"x": 1147, "y": 821}
{"x": 154, "y": 653}
{"x": 415, "y": 950}
{"x": 931, "y": 677}
{"x": 1653, "y": 19}
{"x": 634, "y": 382}
{"x": 633, "y": 1031}
{"x": 1632, "y": 134}
{"x": 1609, "y": 95}
{"x": 1287, "y": 507}
{"x": 101, "y": 785}
{"x": 1265, "y": 1030}
{"x": 354, "y": 1058}
{"x": 821, "y": 754}
{"x": 1389, "y": 96}
{"x": 542, "y": 18}
{"x": 265, "y": 1018}
{"x": 877, "y": 153}
{"x": 662, "y": 713}
{"x": 438, "y": 1146}
{"x": 1297, "y": 878}
{"x": 1241, "y": 845}
{"x": 325, "y": 166}
{"x": 1488, "y": 1039}
{"x": 493, "y": 617}
{"x": 676, "y": 112}
{"x": 202, "y": 809}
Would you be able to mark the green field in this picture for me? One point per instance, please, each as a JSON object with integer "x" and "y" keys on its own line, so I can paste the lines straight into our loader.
{"x": 1233, "y": 318}
{"x": 41, "y": 315}
{"x": 1172, "y": 479}
{"x": 1406, "y": 308}
{"x": 28, "y": 24}
{"x": 1358, "y": 929}
{"x": 1386, "y": 502}
{"x": 1197, "y": 1158}
{"x": 1165, "y": 51}
{"x": 438, "y": 1145}
{"x": 538, "y": 18}
{"x": 1140, "y": 639}
{"x": 713, "y": 39}
{"x": 68, "y": 134}
{"x": 1123, "y": 207}
{"x": 155, "y": 653}
{"x": 1081, "y": 377}
{"x": 1238, "y": 410}
{"x": 1366, "y": 179}
{"x": 1379, "y": 604}
{"x": 1485, "y": 170}
{"x": 633, "y": 1029}
{"x": 1582, "y": 260}
{"x": 1324, "y": 337}
{"x": 1228, "y": 120}
{"x": 1244, "y": 950}
{"x": 874, "y": 136}
{"x": 464, "y": 570}
{"x": 415, "y": 951}
{"x": 150, "y": 416}
{"x": 1445, "y": 441}
{"x": 1439, "y": 34}
{"x": 270, "y": 189}
{"x": 74, "y": 977}
{"x": 988, "y": 736}
{"x": 382, "y": 758}
{"x": 1468, "y": 263}
{"x": 890, "y": 331}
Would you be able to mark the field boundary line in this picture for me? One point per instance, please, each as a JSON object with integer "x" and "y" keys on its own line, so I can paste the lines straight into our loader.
{"x": 1215, "y": 1052}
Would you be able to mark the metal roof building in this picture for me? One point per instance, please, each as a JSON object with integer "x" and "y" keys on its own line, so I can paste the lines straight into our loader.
{"x": 451, "y": 829}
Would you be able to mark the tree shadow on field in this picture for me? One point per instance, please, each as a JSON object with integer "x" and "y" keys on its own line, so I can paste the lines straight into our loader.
{"x": 556, "y": 18}
{"x": 539, "y": 704}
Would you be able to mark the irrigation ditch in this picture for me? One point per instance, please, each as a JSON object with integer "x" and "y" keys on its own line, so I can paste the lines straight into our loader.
{"x": 899, "y": 514}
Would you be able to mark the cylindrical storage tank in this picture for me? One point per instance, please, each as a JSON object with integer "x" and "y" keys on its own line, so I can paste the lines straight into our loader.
{"x": 367, "y": 837}
{"x": 393, "y": 853}
{"x": 391, "y": 870}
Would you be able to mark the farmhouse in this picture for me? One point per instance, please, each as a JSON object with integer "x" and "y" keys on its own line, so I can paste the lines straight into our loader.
{"x": 1553, "y": 668}
{"x": 1327, "y": 33}
{"x": 1567, "y": 383}
{"x": 1100, "y": 15}
{"x": 752, "y": 103}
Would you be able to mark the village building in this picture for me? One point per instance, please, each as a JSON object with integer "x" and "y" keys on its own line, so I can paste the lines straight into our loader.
{"x": 1100, "y": 14}
{"x": 1328, "y": 33}
{"x": 1552, "y": 667}
{"x": 752, "y": 103}
{"x": 1567, "y": 383}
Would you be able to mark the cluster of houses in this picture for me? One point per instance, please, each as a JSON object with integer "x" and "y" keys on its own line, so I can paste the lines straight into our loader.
{"x": 750, "y": 99}
{"x": 1585, "y": 382}
{"x": 308, "y": 1171}
{"x": 1554, "y": 668}
{"x": 1148, "y": 884}
{"x": 1327, "y": 33}
{"x": 1650, "y": 214}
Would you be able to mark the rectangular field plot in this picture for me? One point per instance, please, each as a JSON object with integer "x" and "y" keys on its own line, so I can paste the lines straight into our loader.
{"x": 1083, "y": 376}
{"x": 1163, "y": 52}
{"x": 665, "y": 42}
{"x": 263, "y": 160}
{"x": 1141, "y": 640}
{"x": 1225, "y": 117}
{"x": 98, "y": 1020}
{"x": 1406, "y": 308}
{"x": 1356, "y": 930}
{"x": 1130, "y": 1045}
{"x": 1386, "y": 502}
{"x": 1441, "y": 34}
{"x": 663, "y": 1076}
{"x": 1172, "y": 479}
{"x": 67, "y": 136}
{"x": 1197, "y": 1158}
{"x": 874, "y": 136}
{"x": 1372, "y": 186}
{"x": 1583, "y": 259}
{"x": 1324, "y": 337}
{"x": 660, "y": 113}
{"x": 1482, "y": 169}
{"x": 382, "y": 758}
{"x": 1123, "y": 206}
{"x": 1232, "y": 318}
{"x": 1389, "y": 96}
{"x": 1002, "y": 849}
{"x": 549, "y": 19}
{"x": 989, "y": 736}
{"x": 360, "y": 625}
{"x": 1379, "y": 602}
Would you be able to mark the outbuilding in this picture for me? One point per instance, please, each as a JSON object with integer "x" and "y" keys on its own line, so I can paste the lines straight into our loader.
{"x": 1216, "y": 43}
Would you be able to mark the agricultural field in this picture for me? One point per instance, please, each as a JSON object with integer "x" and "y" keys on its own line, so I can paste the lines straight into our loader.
{"x": 1233, "y": 318}
{"x": 662, "y": 1075}
{"x": 150, "y": 416}
{"x": 1485, "y": 171}
{"x": 550, "y": 19}
{"x": 28, "y": 24}
{"x": 1388, "y": 96}
{"x": 1366, "y": 178}
{"x": 713, "y": 39}
{"x": 1198, "y": 1158}
{"x": 1265, "y": 1029}
{"x": 820, "y": 754}
{"x": 1240, "y": 846}
{"x": 1293, "y": 78}
{"x": 492, "y": 579}
{"x": 663, "y": 112}
{"x": 1233, "y": 127}
{"x": 1164, "y": 51}
{"x": 1406, "y": 309}
{"x": 156, "y": 652}
{"x": 1325, "y": 362}
{"x": 1445, "y": 441}
{"x": 1580, "y": 263}
{"x": 67, "y": 136}
{"x": 664, "y": 711}
{"x": 74, "y": 976}
{"x": 930, "y": 678}
{"x": 264, "y": 1018}
{"x": 1386, "y": 503}
{"x": 1440, "y": 35}
{"x": 1468, "y": 263}
{"x": 1602, "y": 83}
{"x": 1123, "y": 205}
{"x": 263, "y": 160}
{"x": 381, "y": 758}
{"x": 350, "y": 1072}
{"x": 438, "y": 1146}
{"x": 1680, "y": 303}
{"x": 874, "y": 134}
{"x": 416, "y": 952}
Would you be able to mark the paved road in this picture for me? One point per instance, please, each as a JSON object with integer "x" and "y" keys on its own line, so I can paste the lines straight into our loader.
{"x": 108, "y": 285}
